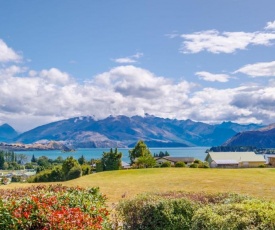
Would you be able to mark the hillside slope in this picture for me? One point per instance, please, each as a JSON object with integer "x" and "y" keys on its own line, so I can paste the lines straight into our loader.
{"x": 7, "y": 133}
{"x": 261, "y": 138}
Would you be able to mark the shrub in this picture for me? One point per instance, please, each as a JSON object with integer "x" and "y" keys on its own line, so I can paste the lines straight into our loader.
{"x": 86, "y": 169}
{"x": 252, "y": 214}
{"x": 98, "y": 166}
{"x": 197, "y": 161}
{"x": 194, "y": 165}
{"x": 180, "y": 210}
{"x": 262, "y": 166}
{"x": 180, "y": 164}
{"x": 154, "y": 212}
{"x": 53, "y": 207}
{"x": 204, "y": 164}
{"x": 74, "y": 173}
{"x": 166, "y": 164}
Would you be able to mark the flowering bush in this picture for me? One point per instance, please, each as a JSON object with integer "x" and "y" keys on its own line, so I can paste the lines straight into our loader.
{"x": 53, "y": 207}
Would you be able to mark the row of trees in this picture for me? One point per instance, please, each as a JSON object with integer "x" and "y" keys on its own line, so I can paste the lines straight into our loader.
{"x": 10, "y": 160}
{"x": 59, "y": 169}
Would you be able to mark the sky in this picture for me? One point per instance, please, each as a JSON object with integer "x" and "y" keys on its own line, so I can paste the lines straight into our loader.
{"x": 208, "y": 61}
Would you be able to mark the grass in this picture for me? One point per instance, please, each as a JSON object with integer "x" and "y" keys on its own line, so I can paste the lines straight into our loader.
{"x": 258, "y": 182}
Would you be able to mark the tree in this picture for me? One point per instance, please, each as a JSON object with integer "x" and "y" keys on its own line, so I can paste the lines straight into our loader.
{"x": 139, "y": 150}
{"x": 21, "y": 158}
{"x": 2, "y": 160}
{"x": 111, "y": 160}
{"x": 147, "y": 161}
{"x": 82, "y": 160}
{"x": 33, "y": 160}
{"x": 68, "y": 164}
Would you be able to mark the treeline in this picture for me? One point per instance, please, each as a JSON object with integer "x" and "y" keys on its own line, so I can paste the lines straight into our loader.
{"x": 241, "y": 149}
{"x": 49, "y": 170}
{"x": 10, "y": 160}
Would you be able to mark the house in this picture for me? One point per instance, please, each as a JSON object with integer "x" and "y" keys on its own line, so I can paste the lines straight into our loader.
{"x": 234, "y": 159}
{"x": 271, "y": 159}
{"x": 174, "y": 160}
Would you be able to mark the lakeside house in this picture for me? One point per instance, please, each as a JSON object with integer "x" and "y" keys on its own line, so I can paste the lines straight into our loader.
{"x": 174, "y": 160}
{"x": 270, "y": 159}
{"x": 234, "y": 159}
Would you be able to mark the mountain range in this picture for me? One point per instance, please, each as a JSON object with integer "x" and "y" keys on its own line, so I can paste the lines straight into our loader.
{"x": 7, "y": 133}
{"x": 261, "y": 138}
{"x": 123, "y": 131}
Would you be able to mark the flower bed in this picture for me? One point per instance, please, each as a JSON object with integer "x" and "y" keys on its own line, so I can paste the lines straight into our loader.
{"x": 52, "y": 207}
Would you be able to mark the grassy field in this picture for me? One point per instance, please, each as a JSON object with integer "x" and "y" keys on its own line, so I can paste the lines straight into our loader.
{"x": 258, "y": 182}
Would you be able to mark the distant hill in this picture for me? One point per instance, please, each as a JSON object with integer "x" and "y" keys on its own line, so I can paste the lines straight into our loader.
{"x": 7, "y": 133}
{"x": 261, "y": 138}
{"x": 123, "y": 131}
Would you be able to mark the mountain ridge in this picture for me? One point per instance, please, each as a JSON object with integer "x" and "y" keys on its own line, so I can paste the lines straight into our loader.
{"x": 123, "y": 131}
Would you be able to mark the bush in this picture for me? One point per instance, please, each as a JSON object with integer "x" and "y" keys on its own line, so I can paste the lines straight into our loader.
{"x": 166, "y": 164}
{"x": 53, "y": 207}
{"x": 154, "y": 212}
{"x": 86, "y": 169}
{"x": 194, "y": 165}
{"x": 74, "y": 173}
{"x": 180, "y": 210}
{"x": 204, "y": 165}
{"x": 180, "y": 164}
{"x": 262, "y": 166}
{"x": 197, "y": 161}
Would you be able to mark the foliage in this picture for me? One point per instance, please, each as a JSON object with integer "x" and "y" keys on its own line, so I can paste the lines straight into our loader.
{"x": 43, "y": 161}
{"x": 29, "y": 166}
{"x": 111, "y": 160}
{"x": 10, "y": 160}
{"x": 180, "y": 164}
{"x": 82, "y": 160}
{"x": 139, "y": 150}
{"x": 180, "y": 210}
{"x": 74, "y": 173}
{"x": 68, "y": 164}
{"x": 2, "y": 160}
{"x": 33, "y": 160}
{"x": 194, "y": 165}
{"x": 166, "y": 164}
{"x": 162, "y": 154}
{"x": 53, "y": 207}
{"x": 146, "y": 161}
{"x": 99, "y": 166}
{"x": 86, "y": 169}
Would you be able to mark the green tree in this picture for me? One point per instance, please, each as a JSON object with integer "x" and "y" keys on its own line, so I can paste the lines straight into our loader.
{"x": 44, "y": 162}
{"x": 68, "y": 164}
{"x": 146, "y": 161}
{"x": 33, "y": 160}
{"x": 111, "y": 160}
{"x": 139, "y": 150}
{"x": 82, "y": 160}
{"x": 2, "y": 160}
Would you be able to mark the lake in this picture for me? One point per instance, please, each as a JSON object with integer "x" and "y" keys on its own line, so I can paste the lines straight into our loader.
{"x": 95, "y": 153}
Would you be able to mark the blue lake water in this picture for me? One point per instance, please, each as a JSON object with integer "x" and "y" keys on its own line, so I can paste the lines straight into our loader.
{"x": 95, "y": 153}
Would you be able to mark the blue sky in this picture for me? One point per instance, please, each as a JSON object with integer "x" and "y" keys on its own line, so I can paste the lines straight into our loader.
{"x": 209, "y": 61}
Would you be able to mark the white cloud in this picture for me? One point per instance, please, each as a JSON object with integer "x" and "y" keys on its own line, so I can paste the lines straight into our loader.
{"x": 48, "y": 95}
{"x": 270, "y": 26}
{"x": 223, "y": 42}
{"x": 261, "y": 69}
{"x": 129, "y": 60}
{"x": 7, "y": 54}
{"x": 213, "y": 77}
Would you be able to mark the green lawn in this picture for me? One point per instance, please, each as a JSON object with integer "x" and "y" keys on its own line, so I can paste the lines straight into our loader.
{"x": 258, "y": 182}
